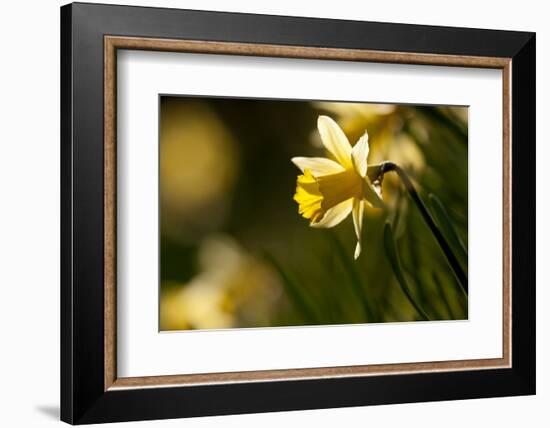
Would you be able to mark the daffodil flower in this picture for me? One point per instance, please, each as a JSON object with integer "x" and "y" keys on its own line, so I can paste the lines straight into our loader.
{"x": 330, "y": 189}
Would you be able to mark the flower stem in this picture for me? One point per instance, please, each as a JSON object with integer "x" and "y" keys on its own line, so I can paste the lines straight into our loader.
{"x": 376, "y": 173}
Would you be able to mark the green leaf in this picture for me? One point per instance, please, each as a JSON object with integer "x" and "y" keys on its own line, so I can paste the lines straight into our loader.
{"x": 445, "y": 224}
{"x": 355, "y": 279}
{"x": 393, "y": 257}
{"x": 294, "y": 292}
{"x": 442, "y": 295}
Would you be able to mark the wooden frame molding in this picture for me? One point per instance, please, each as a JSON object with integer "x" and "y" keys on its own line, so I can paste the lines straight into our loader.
{"x": 113, "y": 43}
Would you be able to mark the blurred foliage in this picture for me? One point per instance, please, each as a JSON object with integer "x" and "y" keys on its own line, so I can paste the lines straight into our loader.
{"x": 235, "y": 252}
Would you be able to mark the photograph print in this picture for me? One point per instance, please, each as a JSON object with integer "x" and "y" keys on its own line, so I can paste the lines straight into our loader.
{"x": 280, "y": 213}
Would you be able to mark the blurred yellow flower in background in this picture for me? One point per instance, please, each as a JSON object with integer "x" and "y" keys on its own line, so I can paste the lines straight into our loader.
{"x": 199, "y": 164}
{"x": 354, "y": 118}
{"x": 329, "y": 190}
{"x": 231, "y": 287}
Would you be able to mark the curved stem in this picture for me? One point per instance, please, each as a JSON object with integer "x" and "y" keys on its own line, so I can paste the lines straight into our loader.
{"x": 379, "y": 172}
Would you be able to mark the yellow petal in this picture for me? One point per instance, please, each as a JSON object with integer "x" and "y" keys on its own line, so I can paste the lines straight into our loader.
{"x": 317, "y": 166}
{"x": 334, "y": 215}
{"x": 335, "y": 141}
{"x": 359, "y": 155}
{"x": 357, "y": 214}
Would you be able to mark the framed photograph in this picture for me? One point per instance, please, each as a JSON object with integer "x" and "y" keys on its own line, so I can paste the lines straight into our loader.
{"x": 266, "y": 213}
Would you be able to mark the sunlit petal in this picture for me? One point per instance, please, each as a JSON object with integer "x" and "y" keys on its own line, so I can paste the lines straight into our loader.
{"x": 317, "y": 166}
{"x": 335, "y": 141}
{"x": 357, "y": 213}
{"x": 335, "y": 215}
{"x": 359, "y": 155}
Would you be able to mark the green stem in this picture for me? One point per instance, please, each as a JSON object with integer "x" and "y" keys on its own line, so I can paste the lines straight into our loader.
{"x": 376, "y": 176}
{"x": 442, "y": 295}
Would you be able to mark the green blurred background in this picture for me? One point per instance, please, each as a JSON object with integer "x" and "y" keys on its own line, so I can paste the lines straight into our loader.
{"x": 235, "y": 252}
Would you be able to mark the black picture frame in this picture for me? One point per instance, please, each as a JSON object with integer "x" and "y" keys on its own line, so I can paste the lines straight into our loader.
{"x": 83, "y": 396}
